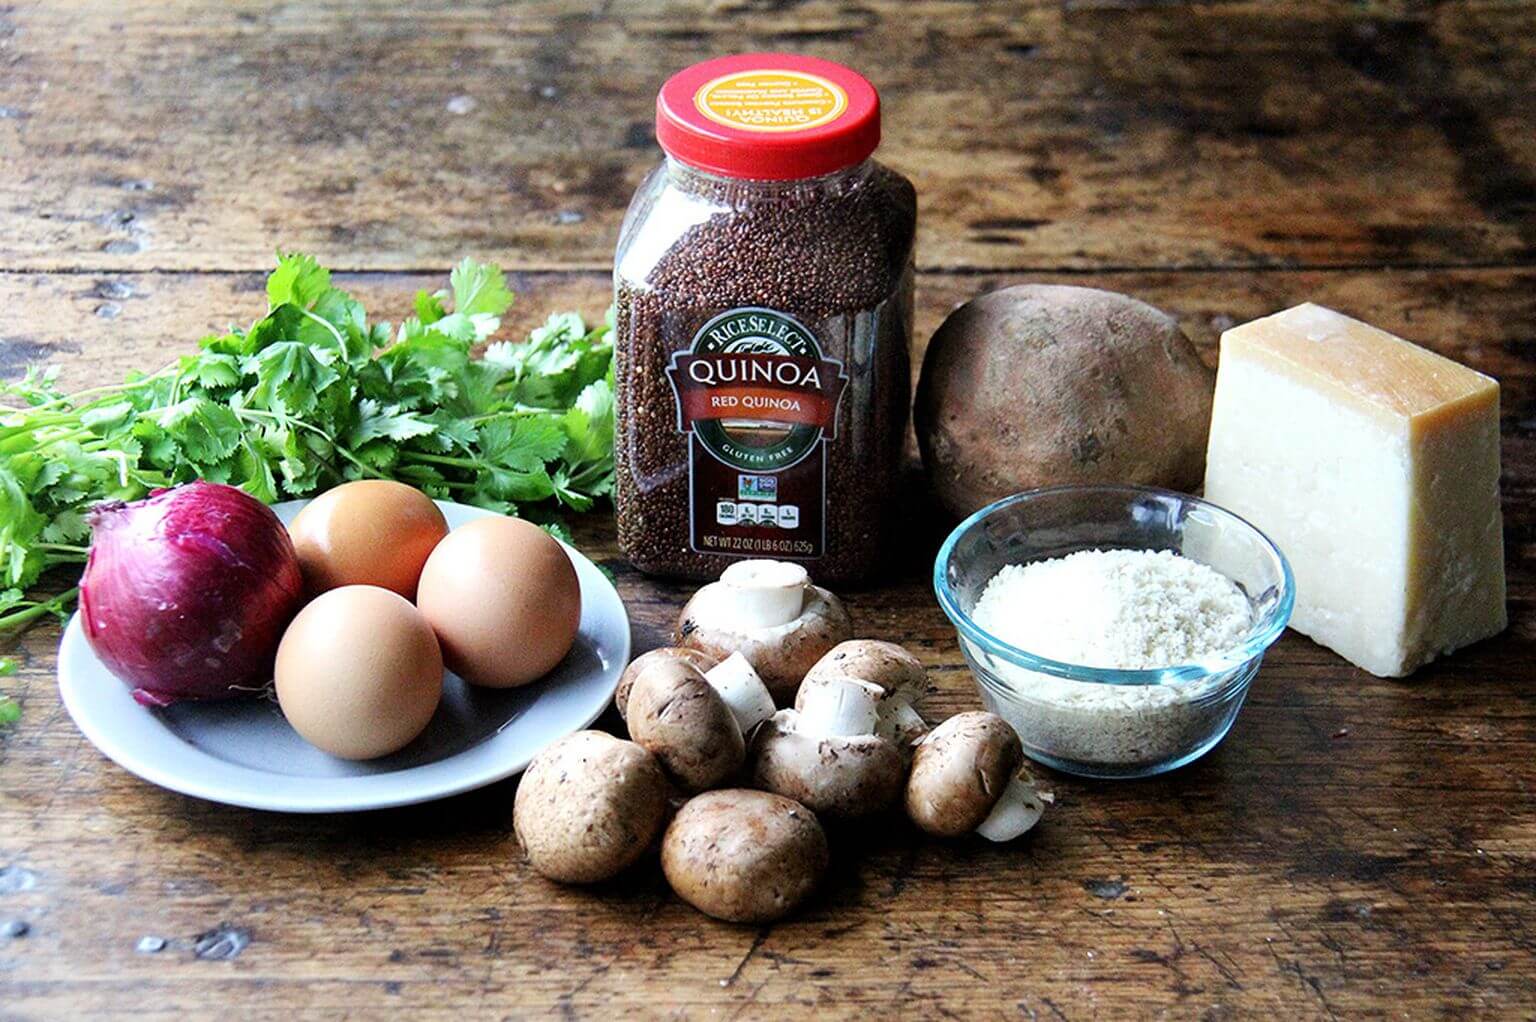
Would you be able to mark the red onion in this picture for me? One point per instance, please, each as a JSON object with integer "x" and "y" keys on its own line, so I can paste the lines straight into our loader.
{"x": 187, "y": 592}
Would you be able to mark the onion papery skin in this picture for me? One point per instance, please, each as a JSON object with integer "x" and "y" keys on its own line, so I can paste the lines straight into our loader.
{"x": 187, "y": 592}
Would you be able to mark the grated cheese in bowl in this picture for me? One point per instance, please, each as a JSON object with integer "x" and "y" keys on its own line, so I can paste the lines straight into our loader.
{"x": 1114, "y": 610}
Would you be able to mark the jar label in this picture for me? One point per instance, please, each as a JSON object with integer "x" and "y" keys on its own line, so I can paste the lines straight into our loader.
{"x": 759, "y": 403}
{"x": 770, "y": 99}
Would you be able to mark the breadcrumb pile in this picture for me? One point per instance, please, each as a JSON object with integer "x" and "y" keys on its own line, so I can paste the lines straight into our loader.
{"x": 1123, "y": 609}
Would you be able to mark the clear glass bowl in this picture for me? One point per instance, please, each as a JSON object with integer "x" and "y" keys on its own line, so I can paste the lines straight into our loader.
{"x": 1091, "y": 721}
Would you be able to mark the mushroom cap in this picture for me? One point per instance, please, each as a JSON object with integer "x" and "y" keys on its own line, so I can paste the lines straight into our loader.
{"x": 703, "y": 661}
{"x": 844, "y": 776}
{"x": 588, "y": 806}
{"x": 886, "y": 664}
{"x": 782, "y": 654}
{"x": 744, "y": 856}
{"x": 676, "y": 714}
{"x": 959, "y": 772}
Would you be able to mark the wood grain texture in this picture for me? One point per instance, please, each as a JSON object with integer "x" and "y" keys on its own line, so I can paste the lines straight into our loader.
{"x": 1357, "y": 848}
{"x": 192, "y": 135}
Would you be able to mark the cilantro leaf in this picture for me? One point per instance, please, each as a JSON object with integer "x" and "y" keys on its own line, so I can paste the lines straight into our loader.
{"x": 451, "y": 433}
{"x": 289, "y": 376}
{"x": 104, "y": 418}
{"x": 256, "y": 470}
{"x": 202, "y": 430}
{"x": 568, "y": 493}
{"x": 521, "y": 486}
{"x": 212, "y": 368}
{"x": 559, "y": 359}
{"x": 429, "y": 306}
{"x": 68, "y": 526}
{"x": 522, "y": 443}
{"x": 479, "y": 289}
{"x": 458, "y": 327}
{"x": 389, "y": 421}
{"x": 20, "y": 526}
{"x": 298, "y": 280}
{"x": 589, "y": 424}
{"x": 10, "y": 710}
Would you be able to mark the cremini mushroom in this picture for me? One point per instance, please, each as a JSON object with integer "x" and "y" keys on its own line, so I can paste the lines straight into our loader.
{"x": 703, "y": 661}
{"x": 744, "y": 856}
{"x": 588, "y": 806}
{"x": 676, "y": 714}
{"x": 770, "y": 613}
{"x": 901, "y": 677}
{"x": 826, "y": 755}
{"x": 968, "y": 776}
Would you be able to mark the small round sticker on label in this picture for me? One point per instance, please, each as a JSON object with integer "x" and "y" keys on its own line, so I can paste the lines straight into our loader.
{"x": 771, "y": 100}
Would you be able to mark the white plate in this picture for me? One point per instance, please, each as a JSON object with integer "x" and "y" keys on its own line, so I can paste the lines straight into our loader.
{"x": 243, "y": 753}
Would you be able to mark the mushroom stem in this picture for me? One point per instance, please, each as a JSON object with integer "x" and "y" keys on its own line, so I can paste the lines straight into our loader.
{"x": 763, "y": 593}
{"x": 742, "y": 690}
{"x": 839, "y": 706}
{"x": 898, "y": 721}
{"x": 1016, "y": 811}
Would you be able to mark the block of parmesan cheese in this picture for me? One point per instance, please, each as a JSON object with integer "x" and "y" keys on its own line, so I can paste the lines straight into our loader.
{"x": 1374, "y": 465}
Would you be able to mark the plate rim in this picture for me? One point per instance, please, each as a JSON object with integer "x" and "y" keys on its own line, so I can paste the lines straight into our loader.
{"x": 415, "y": 789}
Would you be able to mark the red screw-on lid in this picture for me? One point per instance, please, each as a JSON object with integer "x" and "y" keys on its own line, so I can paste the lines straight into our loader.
{"x": 768, "y": 116}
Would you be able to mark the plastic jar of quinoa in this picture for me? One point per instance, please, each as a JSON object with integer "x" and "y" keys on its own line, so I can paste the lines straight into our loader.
{"x": 763, "y": 284}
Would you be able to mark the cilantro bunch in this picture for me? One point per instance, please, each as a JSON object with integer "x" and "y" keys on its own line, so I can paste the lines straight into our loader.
{"x": 309, "y": 396}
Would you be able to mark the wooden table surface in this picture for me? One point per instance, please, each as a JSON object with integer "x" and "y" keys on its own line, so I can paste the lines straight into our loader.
{"x": 1356, "y": 847}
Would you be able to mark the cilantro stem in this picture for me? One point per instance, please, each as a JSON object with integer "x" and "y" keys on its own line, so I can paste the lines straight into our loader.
{"x": 9, "y": 445}
{"x": 340, "y": 342}
{"x": 175, "y": 394}
{"x": 62, "y": 548}
{"x": 20, "y": 618}
{"x": 520, "y": 411}
{"x": 27, "y": 433}
{"x": 441, "y": 459}
{"x": 50, "y": 419}
{"x": 592, "y": 472}
{"x": 72, "y": 400}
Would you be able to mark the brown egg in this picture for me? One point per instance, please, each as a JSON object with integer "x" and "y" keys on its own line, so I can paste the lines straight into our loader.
{"x": 503, "y": 598}
{"x": 371, "y": 532}
{"x": 359, "y": 673}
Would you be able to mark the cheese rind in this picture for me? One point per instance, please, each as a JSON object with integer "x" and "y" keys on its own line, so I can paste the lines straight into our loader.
{"x": 1374, "y": 465}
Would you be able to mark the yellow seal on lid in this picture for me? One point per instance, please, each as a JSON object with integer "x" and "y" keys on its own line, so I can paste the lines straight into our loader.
{"x": 771, "y": 100}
